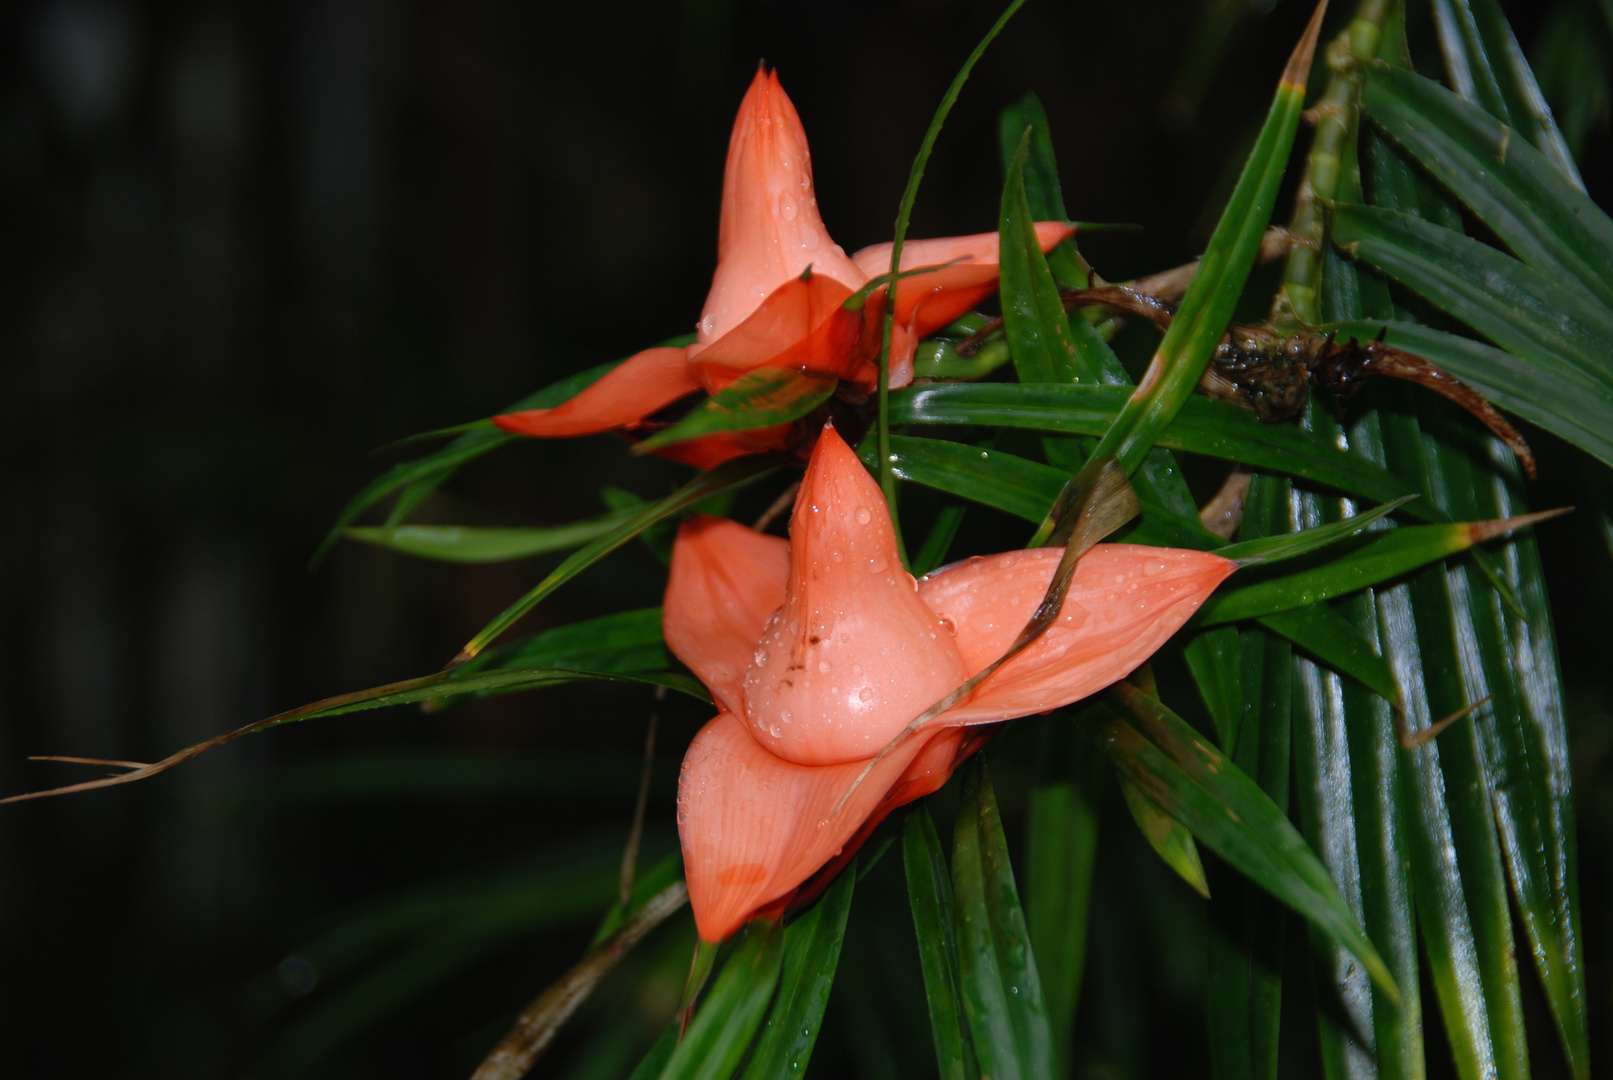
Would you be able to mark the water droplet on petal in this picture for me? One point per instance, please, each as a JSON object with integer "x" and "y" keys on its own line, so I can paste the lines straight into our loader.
{"x": 823, "y": 666}
{"x": 760, "y": 658}
{"x": 878, "y": 564}
{"x": 866, "y": 694}
{"x": 863, "y": 516}
{"x": 787, "y": 716}
{"x": 950, "y": 626}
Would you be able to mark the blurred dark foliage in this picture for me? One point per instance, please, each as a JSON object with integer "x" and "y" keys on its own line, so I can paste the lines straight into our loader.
{"x": 243, "y": 245}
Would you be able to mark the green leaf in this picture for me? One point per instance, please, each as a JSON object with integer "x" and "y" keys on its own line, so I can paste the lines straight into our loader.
{"x": 1246, "y": 926}
{"x": 1044, "y": 198}
{"x": 1521, "y": 737}
{"x": 1226, "y": 810}
{"x": 722, "y": 1028}
{"x": 1023, "y": 488}
{"x": 1063, "y": 838}
{"x": 1487, "y": 67}
{"x": 1541, "y": 216}
{"x": 939, "y": 539}
{"x": 728, "y": 475}
{"x": 656, "y": 1058}
{"x": 1002, "y": 994}
{"x": 811, "y": 953}
{"x": 1203, "y": 426}
{"x": 1207, "y": 308}
{"x": 1329, "y": 637}
{"x": 904, "y": 214}
{"x": 625, "y": 641}
{"x": 764, "y": 397}
{"x": 1381, "y": 557}
{"x": 420, "y": 477}
{"x": 1522, "y": 310}
{"x": 473, "y": 544}
{"x": 1169, "y": 838}
{"x": 1034, "y": 321}
{"x": 1270, "y": 549}
{"x": 1215, "y": 659}
{"x": 929, "y": 892}
{"x": 1557, "y": 397}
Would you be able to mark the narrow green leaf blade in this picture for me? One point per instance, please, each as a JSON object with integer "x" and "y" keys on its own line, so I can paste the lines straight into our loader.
{"x": 1063, "y": 839}
{"x": 722, "y": 1028}
{"x": 1381, "y": 557}
{"x": 762, "y": 398}
{"x": 1170, "y": 839}
{"x": 724, "y": 477}
{"x": 625, "y": 641}
{"x": 1207, "y": 308}
{"x": 1519, "y": 308}
{"x": 929, "y": 891}
{"x": 811, "y": 953}
{"x": 1225, "y": 809}
{"x": 1002, "y": 993}
{"x": 1034, "y": 321}
{"x": 1203, "y": 426}
{"x": 1328, "y": 636}
{"x": 474, "y": 544}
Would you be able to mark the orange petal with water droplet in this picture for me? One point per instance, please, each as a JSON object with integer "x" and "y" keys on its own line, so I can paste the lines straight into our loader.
{"x": 754, "y": 827}
{"x": 771, "y": 229}
{"x": 853, "y": 655}
{"x": 636, "y": 387}
{"x": 1124, "y": 602}
{"x": 795, "y": 326}
{"x": 725, "y": 581}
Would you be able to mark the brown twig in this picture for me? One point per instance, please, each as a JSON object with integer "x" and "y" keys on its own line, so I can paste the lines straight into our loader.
{"x": 636, "y": 835}
{"x": 785, "y": 500}
{"x": 540, "y": 1021}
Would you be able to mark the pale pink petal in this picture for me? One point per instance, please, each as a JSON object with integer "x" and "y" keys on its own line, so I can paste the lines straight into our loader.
{"x": 754, "y": 827}
{"x": 1123, "y": 603}
{"x": 725, "y": 581}
{"x": 627, "y": 394}
{"x": 771, "y": 229}
{"x": 853, "y": 656}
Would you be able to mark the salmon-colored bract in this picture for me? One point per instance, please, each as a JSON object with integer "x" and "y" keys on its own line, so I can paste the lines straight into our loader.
{"x": 777, "y": 297}
{"x": 820, "y": 652}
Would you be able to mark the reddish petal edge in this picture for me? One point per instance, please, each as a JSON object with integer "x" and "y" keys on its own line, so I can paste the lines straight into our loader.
{"x": 636, "y": 387}
{"x": 755, "y": 827}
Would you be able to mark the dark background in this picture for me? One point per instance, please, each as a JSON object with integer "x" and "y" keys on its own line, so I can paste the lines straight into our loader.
{"x": 241, "y": 246}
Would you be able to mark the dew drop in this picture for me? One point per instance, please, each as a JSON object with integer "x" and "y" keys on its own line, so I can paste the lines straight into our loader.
{"x": 760, "y": 658}
{"x": 878, "y": 564}
{"x": 823, "y": 666}
{"x": 863, "y": 516}
{"x": 866, "y": 694}
{"x": 845, "y": 637}
{"x": 787, "y": 716}
{"x": 775, "y": 731}
{"x": 786, "y": 208}
{"x": 836, "y": 556}
{"x": 948, "y": 625}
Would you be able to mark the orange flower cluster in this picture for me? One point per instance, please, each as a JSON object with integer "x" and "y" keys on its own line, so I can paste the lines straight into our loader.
{"x": 777, "y": 298}
{"x": 821, "y": 650}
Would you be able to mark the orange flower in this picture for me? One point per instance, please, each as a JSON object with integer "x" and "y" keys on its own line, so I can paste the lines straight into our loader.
{"x": 819, "y": 651}
{"x": 776, "y": 298}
